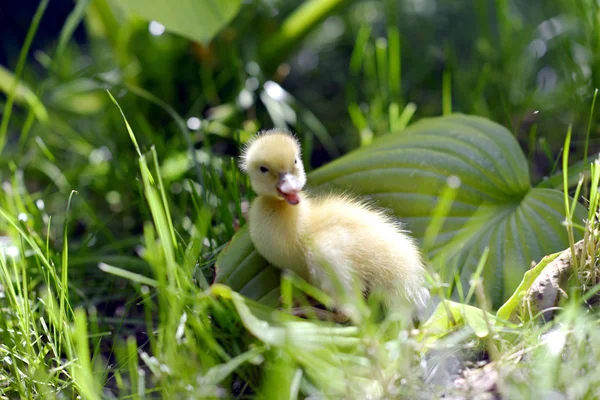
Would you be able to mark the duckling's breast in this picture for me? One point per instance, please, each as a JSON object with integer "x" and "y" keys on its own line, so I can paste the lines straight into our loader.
{"x": 276, "y": 229}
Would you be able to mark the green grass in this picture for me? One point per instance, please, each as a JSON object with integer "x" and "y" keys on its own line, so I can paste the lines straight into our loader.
{"x": 113, "y": 211}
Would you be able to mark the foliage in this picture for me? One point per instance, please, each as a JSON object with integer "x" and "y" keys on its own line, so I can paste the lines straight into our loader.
{"x": 104, "y": 292}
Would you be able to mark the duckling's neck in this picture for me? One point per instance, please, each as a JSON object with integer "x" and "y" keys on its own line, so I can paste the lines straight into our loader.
{"x": 286, "y": 217}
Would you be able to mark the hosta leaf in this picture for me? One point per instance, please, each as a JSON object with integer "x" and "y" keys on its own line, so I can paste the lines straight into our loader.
{"x": 198, "y": 20}
{"x": 495, "y": 207}
{"x": 245, "y": 271}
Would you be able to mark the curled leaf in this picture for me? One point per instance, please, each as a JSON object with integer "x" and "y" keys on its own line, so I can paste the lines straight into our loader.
{"x": 548, "y": 288}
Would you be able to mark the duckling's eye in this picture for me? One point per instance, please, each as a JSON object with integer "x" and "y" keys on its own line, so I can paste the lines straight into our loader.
{"x": 295, "y": 161}
{"x": 264, "y": 170}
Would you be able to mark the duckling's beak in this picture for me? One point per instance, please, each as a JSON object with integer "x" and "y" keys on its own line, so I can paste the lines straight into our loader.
{"x": 288, "y": 187}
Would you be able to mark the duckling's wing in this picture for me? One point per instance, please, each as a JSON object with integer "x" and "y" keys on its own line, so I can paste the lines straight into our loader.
{"x": 330, "y": 264}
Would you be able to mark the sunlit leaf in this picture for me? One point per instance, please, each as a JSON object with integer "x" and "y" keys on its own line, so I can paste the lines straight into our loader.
{"x": 198, "y": 20}
{"x": 505, "y": 312}
{"x": 327, "y": 354}
{"x": 277, "y": 329}
{"x": 495, "y": 206}
{"x": 450, "y": 315}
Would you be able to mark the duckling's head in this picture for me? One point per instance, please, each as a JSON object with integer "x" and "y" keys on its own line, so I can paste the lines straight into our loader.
{"x": 273, "y": 162}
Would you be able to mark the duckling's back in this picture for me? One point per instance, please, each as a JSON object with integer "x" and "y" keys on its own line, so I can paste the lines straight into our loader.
{"x": 356, "y": 240}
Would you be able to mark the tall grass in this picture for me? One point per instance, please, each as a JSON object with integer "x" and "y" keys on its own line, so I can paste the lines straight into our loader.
{"x": 206, "y": 342}
{"x": 197, "y": 341}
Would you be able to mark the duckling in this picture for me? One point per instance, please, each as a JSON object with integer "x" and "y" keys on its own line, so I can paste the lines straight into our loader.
{"x": 330, "y": 240}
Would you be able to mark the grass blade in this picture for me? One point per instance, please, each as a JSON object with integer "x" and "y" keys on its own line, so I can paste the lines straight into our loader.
{"x": 395, "y": 63}
{"x": 19, "y": 70}
{"x": 129, "y": 130}
{"x": 123, "y": 273}
{"x": 447, "y": 93}
{"x": 358, "y": 53}
{"x": 589, "y": 128}
{"x": 73, "y": 20}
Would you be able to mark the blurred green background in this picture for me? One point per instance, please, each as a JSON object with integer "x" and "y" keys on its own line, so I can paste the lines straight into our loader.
{"x": 337, "y": 72}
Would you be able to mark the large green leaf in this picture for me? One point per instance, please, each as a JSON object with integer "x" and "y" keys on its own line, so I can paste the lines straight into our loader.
{"x": 495, "y": 207}
{"x": 245, "y": 271}
{"x": 198, "y": 20}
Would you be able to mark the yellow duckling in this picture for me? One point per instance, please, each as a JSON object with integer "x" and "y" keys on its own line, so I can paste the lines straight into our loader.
{"x": 333, "y": 234}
